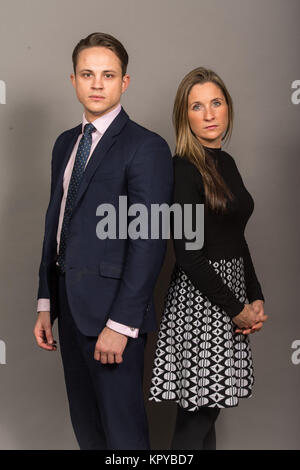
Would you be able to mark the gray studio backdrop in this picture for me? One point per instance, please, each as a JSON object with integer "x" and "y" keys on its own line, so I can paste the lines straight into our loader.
{"x": 253, "y": 46}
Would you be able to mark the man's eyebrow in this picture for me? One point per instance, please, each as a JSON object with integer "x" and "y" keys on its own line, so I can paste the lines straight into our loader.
{"x": 91, "y": 71}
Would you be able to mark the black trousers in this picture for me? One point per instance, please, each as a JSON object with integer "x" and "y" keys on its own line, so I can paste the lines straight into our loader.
{"x": 106, "y": 401}
{"x": 195, "y": 429}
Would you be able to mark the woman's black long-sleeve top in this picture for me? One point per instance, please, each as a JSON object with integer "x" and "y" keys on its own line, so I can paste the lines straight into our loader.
{"x": 223, "y": 233}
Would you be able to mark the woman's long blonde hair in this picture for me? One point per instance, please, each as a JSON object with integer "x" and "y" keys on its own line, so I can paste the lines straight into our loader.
{"x": 187, "y": 144}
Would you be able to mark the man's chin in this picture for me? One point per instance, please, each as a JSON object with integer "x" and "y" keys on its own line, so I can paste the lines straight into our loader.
{"x": 97, "y": 110}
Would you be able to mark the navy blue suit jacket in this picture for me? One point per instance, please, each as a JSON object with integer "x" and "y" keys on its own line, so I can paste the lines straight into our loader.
{"x": 111, "y": 278}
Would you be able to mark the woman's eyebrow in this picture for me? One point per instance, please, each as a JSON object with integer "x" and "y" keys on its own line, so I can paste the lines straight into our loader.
{"x": 216, "y": 98}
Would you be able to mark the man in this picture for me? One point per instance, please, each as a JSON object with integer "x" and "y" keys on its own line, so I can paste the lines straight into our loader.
{"x": 101, "y": 290}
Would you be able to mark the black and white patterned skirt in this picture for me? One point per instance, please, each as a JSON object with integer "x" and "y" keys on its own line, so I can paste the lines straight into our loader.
{"x": 199, "y": 360}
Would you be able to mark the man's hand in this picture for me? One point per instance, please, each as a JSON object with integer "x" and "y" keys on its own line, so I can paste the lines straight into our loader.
{"x": 43, "y": 332}
{"x": 110, "y": 346}
{"x": 258, "y": 306}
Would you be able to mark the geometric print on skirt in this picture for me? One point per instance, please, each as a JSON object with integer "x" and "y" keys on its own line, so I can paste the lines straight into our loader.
{"x": 199, "y": 360}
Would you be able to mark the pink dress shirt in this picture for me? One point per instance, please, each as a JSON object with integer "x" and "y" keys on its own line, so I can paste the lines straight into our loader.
{"x": 101, "y": 125}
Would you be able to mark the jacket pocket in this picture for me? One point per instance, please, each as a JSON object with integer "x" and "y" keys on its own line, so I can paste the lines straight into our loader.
{"x": 114, "y": 270}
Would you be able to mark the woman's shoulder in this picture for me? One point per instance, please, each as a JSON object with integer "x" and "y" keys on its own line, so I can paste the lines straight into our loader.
{"x": 184, "y": 164}
{"x": 186, "y": 174}
{"x": 228, "y": 158}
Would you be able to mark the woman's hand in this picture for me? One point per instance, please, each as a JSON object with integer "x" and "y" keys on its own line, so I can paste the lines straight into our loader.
{"x": 246, "y": 318}
{"x": 258, "y": 307}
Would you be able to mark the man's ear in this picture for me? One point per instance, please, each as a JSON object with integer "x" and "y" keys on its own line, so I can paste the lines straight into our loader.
{"x": 73, "y": 79}
{"x": 125, "y": 82}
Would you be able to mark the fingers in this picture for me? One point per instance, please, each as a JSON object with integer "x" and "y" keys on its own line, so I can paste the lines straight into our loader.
{"x": 49, "y": 336}
{"x": 108, "y": 358}
{"x": 43, "y": 332}
{"x": 253, "y": 329}
{"x": 261, "y": 315}
{"x": 118, "y": 358}
{"x": 243, "y": 331}
{"x": 257, "y": 326}
{"x": 97, "y": 355}
{"x": 263, "y": 318}
{"x": 42, "y": 340}
{"x": 110, "y": 347}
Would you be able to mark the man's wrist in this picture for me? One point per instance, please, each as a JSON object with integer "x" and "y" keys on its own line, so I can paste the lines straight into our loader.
{"x": 43, "y": 305}
{"x": 123, "y": 329}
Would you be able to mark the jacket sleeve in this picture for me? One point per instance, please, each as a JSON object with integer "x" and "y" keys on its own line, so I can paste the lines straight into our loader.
{"x": 189, "y": 189}
{"x": 150, "y": 181}
{"x": 43, "y": 288}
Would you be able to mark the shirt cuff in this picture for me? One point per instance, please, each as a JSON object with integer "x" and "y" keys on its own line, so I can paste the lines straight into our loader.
{"x": 120, "y": 328}
{"x": 43, "y": 305}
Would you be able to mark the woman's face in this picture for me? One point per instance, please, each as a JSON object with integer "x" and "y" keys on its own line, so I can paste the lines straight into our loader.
{"x": 207, "y": 113}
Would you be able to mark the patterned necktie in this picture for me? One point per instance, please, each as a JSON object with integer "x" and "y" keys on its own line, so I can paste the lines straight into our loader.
{"x": 76, "y": 177}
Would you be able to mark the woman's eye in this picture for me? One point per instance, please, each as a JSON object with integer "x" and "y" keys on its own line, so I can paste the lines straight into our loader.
{"x": 217, "y": 103}
{"x": 196, "y": 107}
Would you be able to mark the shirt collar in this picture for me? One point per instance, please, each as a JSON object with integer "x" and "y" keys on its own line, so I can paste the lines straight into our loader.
{"x": 103, "y": 122}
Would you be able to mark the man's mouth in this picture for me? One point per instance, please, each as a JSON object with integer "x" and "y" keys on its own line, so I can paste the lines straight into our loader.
{"x": 96, "y": 97}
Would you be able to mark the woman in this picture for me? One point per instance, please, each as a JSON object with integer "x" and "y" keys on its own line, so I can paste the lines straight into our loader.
{"x": 203, "y": 357}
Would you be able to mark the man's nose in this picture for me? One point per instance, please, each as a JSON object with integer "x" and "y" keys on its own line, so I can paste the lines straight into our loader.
{"x": 97, "y": 82}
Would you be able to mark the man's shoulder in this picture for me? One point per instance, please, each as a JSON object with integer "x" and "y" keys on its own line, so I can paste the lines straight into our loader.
{"x": 69, "y": 133}
{"x": 143, "y": 134}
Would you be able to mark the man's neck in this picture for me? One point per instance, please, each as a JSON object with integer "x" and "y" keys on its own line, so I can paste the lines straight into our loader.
{"x": 90, "y": 117}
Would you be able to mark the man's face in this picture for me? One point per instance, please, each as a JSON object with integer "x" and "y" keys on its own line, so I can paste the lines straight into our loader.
{"x": 98, "y": 81}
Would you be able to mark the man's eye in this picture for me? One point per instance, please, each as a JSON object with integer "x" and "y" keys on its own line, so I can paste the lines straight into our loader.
{"x": 86, "y": 74}
{"x": 108, "y": 75}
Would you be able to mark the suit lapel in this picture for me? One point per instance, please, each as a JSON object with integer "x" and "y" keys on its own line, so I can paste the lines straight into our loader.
{"x": 101, "y": 149}
{"x": 57, "y": 194}
{"x": 103, "y": 146}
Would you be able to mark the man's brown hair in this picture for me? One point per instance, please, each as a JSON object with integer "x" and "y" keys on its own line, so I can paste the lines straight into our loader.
{"x": 102, "y": 40}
